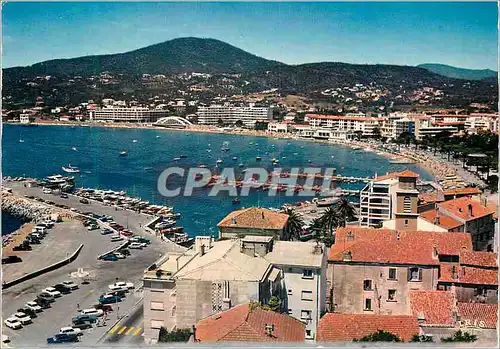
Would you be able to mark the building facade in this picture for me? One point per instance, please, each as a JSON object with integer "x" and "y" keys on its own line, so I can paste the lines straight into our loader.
{"x": 214, "y": 114}
{"x": 135, "y": 114}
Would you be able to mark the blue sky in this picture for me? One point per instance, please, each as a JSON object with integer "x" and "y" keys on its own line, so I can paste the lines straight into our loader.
{"x": 459, "y": 34}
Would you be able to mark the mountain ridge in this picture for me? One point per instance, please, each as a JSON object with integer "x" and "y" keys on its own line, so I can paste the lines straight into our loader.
{"x": 459, "y": 73}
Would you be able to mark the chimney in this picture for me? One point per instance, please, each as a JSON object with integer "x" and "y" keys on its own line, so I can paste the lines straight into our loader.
{"x": 454, "y": 274}
{"x": 262, "y": 214}
{"x": 347, "y": 257}
{"x": 194, "y": 334}
{"x": 226, "y": 304}
{"x": 317, "y": 249}
{"x": 435, "y": 252}
{"x": 469, "y": 207}
{"x": 233, "y": 220}
{"x": 398, "y": 236}
{"x": 437, "y": 220}
{"x": 269, "y": 329}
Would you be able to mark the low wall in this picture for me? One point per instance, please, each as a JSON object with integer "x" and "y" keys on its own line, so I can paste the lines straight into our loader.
{"x": 42, "y": 271}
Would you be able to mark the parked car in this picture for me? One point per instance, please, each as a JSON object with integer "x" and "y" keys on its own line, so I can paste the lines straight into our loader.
{"x": 46, "y": 296}
{"x": 124, "y": 252}
{"x": 119, "y": 255}
{"x": 13, "y": 323}
{"x": 82, "y": 325}
{"x": 106, "y": 232}
{"x": 28, "y": 312}
{"x": 135, "y": 246}
{"x": 84, "y": 201}
{"x": 22, "y": 247}
{"x": 64, "y": 195}
{"x": 62, "y": 338}
{"x": 44, "y": 303}
{"x": 62, "y": 288}
{"x": 104, "y": 307}
{"x": 110, "y": 257}
{"x": 93, "y": 227}
{"x": 123, "y": 285}
{"x": 22, "y": 318}
{"x": 33, "y": 306}
{"x": 47, "y": 191}
{"x": 70, "y": 284}
{"x": 92, "y": 311}
{"x": 53, "y": 292}
{"x": 119, "y": 293}
{"x": 71, "y": 330}
{"x": 116, "y": 238}
{"x": 108, "y": 299}
{"x": 126, "y": 233}
{"x": 84, "y": 318}
{"x": 11, "y": 259}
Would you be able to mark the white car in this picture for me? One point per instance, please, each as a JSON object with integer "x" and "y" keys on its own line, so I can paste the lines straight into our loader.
{"x": 33, "y": 306}
{"x": 119, "y": 255}
{"x": 121, "y": 285}
{"x": 53, "y": 292}
{"x": 93, "y": 311}
{"x": 5, "y": 338}
{"x": 116, "y": 238}
{"x": 13, "y": 323}
{"x": 136, "y": 245}
{"x": 71, "y": 330}
{"x": 47, "y": 191}
{"x": 72, "y": 286}
{"x": 22, "y": 318}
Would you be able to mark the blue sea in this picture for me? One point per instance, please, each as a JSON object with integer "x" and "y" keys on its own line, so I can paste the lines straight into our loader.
{"x": 46, "y": 148}
{"x": 10, "y": 223}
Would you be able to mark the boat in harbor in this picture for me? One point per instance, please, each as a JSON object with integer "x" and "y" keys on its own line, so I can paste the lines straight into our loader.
{"x": 183, "y": 156}
{"x": 241, "y": 165}
{"x": 71, "y": 169}
{"x": 219, "y": 161}
{"x": 235, "y": 158}
{"x": 225, "y": 146}
{"x": 134, "y": 141}
{"x": 177, "y": 159}
{"x": 123, "y": 153}
{"x": 73, "y": 148}
{"x": 258, "y": 158}
{"x": 202, "y": 166}
{"x": 21, "y": 141}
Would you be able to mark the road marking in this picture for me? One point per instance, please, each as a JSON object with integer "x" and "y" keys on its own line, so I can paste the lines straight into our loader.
{"x": 113, "y": 330}
{"x": 89, "y": 292}
{"x": 122, "y": 330}
{"x": 137, "y": 331}
{"x": 129, "y": 330}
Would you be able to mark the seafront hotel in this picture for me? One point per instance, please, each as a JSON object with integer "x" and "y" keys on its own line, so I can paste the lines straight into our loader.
{"x": 134, "y": 114}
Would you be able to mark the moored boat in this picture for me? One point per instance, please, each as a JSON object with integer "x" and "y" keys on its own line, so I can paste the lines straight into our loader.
{"x": 70, "y": 169}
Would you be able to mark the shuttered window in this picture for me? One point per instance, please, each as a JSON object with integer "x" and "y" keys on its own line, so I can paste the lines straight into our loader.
{"x": 157, "y": 324}
{"x": 157, "y": 306}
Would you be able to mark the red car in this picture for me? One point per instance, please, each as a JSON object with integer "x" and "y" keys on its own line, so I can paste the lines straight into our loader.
{"x": 126, "y": 233}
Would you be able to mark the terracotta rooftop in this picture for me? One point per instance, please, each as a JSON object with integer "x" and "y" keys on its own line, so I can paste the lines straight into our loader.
{"x": 433, "y": 307}
{"x": 484, "y": 315}
{"x": 391, "y": 175}
{"x": 462, "y": 191}
{"x": 468, "y": 275}
{"x": 255, "y": 218}
{"x": 445, "y": 221}
{"x": 408, "y": 173}
{"x": 339, "y": 117}
{"x": 345, "y": 327}
{"x": 460, "y": 208}
{"x": 479, "y": 259}
{"x": 430, "y": 197}
{"x": 391, "y": 246}
{"x": 244, "y": 324}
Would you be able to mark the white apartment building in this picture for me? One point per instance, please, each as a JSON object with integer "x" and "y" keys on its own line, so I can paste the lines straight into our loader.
{"x": 281, "y": 127}
{"x": 230, "y": 115}
{"x": 303, "y": 267}
{"x": 425, "y": 127}
{"x": 24, "y": 118}
{"x": 396, "y": 124}
{"x": 135, "y": 114}
{"x": 481, "y": 123}
{"x": 356, "y": 123}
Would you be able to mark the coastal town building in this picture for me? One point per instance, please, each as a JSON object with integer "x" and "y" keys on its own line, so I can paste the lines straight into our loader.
{"x": 205, "y": 280}
{"x": 393, "y": 196}
{"x": 334, "y": 327}
{"x": 119, "y": 114}
{"x": 280, "y": 127}
{"x": 396, "y": 124}
{"x": 424, "y": 126}
{"x": 249, "y": 323}
{"x": 215, "y": 114}
{"x": 366, "y": 126}
{"x": 254, "y": 221}
{"x": 24, "y": 118}
{"x": 371, "y": 271}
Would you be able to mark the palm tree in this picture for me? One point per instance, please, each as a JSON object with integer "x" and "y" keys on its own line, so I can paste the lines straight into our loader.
{"x": 345, "y": 212}
{"x": 329, "y": 221}
{"x": 295, "y": 224}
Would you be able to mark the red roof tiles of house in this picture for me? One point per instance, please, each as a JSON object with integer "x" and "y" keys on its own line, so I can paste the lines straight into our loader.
{"x": 462, "y": 191}
{"x": 445, "y": 221}
{"x": 468, "y": 275}
{"x": 243, "y": 323}
{"x": 479, "y": 314}
{"x": 479, "y": 259}
{"x": 255, "y": 218}
{"x": 362, "y": 244}
{"x": 434, "y": 308}
{"x": 335, "y": 327}
{"x": 408, "y": 173}
{"x": 464, "y": 206}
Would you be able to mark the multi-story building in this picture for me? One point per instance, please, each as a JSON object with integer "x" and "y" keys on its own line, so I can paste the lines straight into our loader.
{"x": 396, "y": 124}
{"x": 371, "y": 271}
{"x": 280, "y": 127}
{"x": 303, "y": 266}
{"x": 214, "y": 114}
{"x": 426, "y": 127}
{"x": 205, "y": 280}
{"x": 253, "y": 221}
{"x": 487, "y": 122}
{"x": 390, "y": 197}
{"x": 24, "y": 119}
{"x": 365, "y": 125}
{"x": 135, "y": 114}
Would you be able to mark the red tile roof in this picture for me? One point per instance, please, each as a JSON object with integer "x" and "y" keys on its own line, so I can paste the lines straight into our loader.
{"x": 434, "y": 307}
{"x": 430, "y": 197}
{"x": 345, "y": 327}
{"x": 408, "y": 173}
{"x": 478, "y": 314}
{"x": 460, "y": 208}
{"x": 339, "y": 117}
{"x": 243, "y": 323}
{"x": 462, "y": 191}
{"x": 383, "y": 245}
{"x": 479, "y": 259}
{"x": 445, "y": 221}
{"x": 468, "y": 275}
{"x": 255, "y": 218}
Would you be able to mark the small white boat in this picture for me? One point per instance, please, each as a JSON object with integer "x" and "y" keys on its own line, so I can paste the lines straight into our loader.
{"x": 123, "y": 153}
{"x": 73, "y": 148}
{"x": 241, "y": 165}
{"x": 157, "y": 136}
{"x": 134, "y": 141}
{"x": 219, "y": 161}
{"x": 21, "y": 141}
{"x": 209, "y": 150}
{"x": 88, "y": 172}
{"x": 258, "y": 158}
{"x": 70, "y": 169}
{"x": 235, "y": 158}
{"x": 177, "y": 159}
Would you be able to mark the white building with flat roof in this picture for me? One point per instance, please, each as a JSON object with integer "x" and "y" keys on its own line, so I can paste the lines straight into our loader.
{"x": 134, "y": 114}
{"x": 354, "y": 123}
{"x": 213, "y": 114}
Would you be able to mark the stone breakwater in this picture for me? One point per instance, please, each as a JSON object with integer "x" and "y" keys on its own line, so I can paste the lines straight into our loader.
{"x": 25, "y": 209}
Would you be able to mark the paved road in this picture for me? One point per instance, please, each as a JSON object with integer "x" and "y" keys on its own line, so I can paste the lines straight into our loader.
{"x": 101, "y": 275}
{"x": 129, "y": 330}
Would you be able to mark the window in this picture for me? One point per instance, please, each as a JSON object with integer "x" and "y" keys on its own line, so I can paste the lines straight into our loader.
{"x": 367, "y": 285}
{"x": 305, "y": 314}
{"x": 289, "y": 311}
{"x": 406, "y": 222}
{"x": 407, "y": 204}
{"x": 290, "y": 292}
{"x": 306, "y": 296}
{"x": 156, "y": 324}
{"x": 308, "y": 334}
{"x": 392, "y": 274}
{"x": 391, "y": 296}
{"x": 156, "y": 305}
{"x": 414, "y": 274}
{"x": 307, "y": 274}
{"x": 368, "y": 304}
